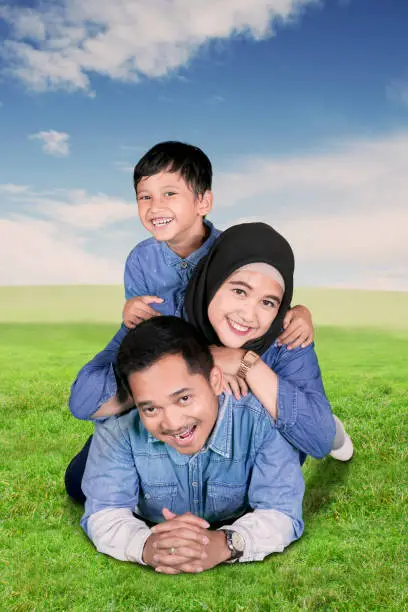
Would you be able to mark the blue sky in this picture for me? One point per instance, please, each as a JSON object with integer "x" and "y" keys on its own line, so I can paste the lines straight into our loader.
{"x": 302, "y": 106}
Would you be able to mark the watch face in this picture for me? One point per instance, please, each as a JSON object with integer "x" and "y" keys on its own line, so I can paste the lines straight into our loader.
{"x": 238, "y": 541}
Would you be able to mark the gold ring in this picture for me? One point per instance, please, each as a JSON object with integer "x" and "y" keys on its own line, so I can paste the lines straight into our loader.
{"x": 172, "y": 550}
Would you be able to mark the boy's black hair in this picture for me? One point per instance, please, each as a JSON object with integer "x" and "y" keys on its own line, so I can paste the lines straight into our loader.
{"x": 158, "y": 337}
{"x": 173, "y": 156}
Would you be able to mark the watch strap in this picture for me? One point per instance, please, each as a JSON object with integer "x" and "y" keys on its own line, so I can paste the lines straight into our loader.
{"x": 235, "y": 554}
{"x": 248, "y": 360}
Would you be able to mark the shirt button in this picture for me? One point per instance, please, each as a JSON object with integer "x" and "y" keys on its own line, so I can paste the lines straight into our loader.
{"x": 195, "y": 484}
{"x": 183, "y": 265}
{"x": 147, "y": 496}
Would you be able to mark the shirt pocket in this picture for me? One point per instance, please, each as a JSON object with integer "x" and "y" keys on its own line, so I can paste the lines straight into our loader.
{"x": 226, "y": 500}
{"x": 155, "y": 497}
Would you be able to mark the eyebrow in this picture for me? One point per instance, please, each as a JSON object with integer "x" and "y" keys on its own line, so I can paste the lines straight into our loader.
{"x": 148, "y": 403}
{"x": 248, "y": 286}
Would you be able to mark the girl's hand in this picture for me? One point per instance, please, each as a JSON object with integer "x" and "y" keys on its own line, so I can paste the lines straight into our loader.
{"x": 298, "y": 328}
{"x": 235, "y": 385}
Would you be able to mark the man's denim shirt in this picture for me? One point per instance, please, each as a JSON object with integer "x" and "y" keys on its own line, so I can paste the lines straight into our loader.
{"x": 246, "y": 464}
{"x": 152, "y": 268}
{"x": 304, "y": 414}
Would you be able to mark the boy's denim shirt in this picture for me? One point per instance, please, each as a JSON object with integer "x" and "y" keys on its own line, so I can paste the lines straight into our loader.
{"x": 244, "y": 464}
{"x": 152, "y": 268}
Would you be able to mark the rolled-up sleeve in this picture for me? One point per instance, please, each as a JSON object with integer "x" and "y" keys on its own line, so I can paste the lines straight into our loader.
{"x": 305, "y": 417}
{"x": 275, "y": 493}
{"x": 96, "y": 381}
{"x": 111, "y": 487}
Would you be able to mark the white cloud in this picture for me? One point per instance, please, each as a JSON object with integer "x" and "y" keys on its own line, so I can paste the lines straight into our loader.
{"x": 344, "y": 212}
{"x": 90, "y": 211}
{"x": 74, "y": 208}
{"x": 124, "y": 167}
{"x": 59, "y": 45}
{"x": 49, "y": 257}
{"x": 54, "y": 143}
{"x": 397, "y": 92}
{"x": 11, "y": 189}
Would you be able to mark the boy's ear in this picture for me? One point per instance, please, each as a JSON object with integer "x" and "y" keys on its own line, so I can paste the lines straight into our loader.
{"x": 205, "y": 203}
{"x": 216, "y": 380}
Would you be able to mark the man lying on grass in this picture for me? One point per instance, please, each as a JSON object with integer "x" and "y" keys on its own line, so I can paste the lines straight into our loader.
{"x": 192, "y": 455}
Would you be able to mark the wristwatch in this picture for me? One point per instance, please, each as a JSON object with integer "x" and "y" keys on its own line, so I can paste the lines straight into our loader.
{"x": 235, "y": 543}
{"x": 248, "y": 360}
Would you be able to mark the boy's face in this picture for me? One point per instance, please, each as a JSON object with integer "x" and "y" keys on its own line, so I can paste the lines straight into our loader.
{"x": 175, "y": 406}
{"x": 169, "y": 209}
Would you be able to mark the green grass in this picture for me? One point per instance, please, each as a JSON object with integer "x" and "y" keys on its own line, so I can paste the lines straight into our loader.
{"x": 104, "y": 303}
{"x": 352, "y": 555}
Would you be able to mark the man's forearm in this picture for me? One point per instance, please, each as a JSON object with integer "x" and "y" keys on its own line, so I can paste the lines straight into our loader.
{"x": 266, "y": 532}
{"x": 118, "y": 533}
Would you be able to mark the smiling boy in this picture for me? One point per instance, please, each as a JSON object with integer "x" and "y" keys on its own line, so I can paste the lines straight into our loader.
{"x": 173, "y": 183}
{"x": 191, "y": 454}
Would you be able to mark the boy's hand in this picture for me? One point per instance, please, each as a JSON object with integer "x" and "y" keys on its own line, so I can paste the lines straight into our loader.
{"x": 298, "y": 328}
{"x": 137, "y": 309}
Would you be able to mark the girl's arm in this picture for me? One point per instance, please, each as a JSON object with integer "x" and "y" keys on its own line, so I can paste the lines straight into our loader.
{"x": 290, "y": 387}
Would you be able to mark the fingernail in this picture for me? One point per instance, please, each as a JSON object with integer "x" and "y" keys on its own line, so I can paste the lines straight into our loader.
{"x": 199, "y": 569}
{"x": 158, "y": 570}
{"x": 155, "y": 557}
{"x": 205, "y": 540}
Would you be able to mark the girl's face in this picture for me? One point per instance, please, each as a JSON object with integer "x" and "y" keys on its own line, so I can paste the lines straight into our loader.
{"x": 244, "y": 307}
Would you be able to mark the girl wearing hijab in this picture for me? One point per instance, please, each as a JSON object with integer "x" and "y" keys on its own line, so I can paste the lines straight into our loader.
{"x": 238, "y": 298}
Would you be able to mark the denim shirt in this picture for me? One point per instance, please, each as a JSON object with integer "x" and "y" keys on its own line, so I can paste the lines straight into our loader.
{"x": 245, "y": 464}
{"x": 152, "y": 268}
{"x": 304, "y": 413}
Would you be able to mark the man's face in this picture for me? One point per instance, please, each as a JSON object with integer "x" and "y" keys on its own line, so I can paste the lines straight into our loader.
{"x": 175, "y": 406}
{"x": 168, "y": 208}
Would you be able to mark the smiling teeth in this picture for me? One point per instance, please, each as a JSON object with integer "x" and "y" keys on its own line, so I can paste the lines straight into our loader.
{"x": 188, "y": 430}
{"x": 162, "y": 221}
{"x": 238, "y": 327}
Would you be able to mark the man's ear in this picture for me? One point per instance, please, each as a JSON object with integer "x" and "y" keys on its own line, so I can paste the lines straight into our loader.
{"x": 216, "y": 380}
{"x": 204, "y": 203}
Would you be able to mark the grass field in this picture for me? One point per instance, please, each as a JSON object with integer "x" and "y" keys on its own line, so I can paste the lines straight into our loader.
{"x": 353, "y": 553}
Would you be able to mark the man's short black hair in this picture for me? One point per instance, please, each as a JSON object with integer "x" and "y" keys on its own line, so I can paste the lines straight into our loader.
{"x": 190, "y": 162}
{"x": 161, "y": 336}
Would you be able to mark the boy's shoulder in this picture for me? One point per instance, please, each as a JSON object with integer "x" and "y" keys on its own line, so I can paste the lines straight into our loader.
{"x": 147, "y": 245}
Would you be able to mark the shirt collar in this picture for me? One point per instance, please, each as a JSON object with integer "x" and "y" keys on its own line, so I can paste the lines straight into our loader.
{"x": 172, "y": 259}
{"x": 220, "y": 439}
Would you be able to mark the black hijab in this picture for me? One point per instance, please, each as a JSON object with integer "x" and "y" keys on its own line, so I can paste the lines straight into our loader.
{"x": 239, "y": 246}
